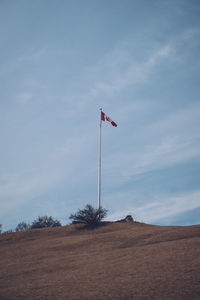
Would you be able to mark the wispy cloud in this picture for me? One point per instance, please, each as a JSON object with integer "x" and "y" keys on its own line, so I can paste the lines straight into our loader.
{"x": 63, "y": 162}
{"x": 166, "y": 142}
{"x": 31, "y": 56}
{"x": 120, "y": 69}
{"x": 162, "y": 53}
{"x": 25, "y": 97}
{"x": 17, "y": 188}
{"x": 123, "y": 70}
{"x": 159, "y": 208}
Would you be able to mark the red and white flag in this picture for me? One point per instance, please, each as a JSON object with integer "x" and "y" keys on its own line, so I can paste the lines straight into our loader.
{"x": 107, "y": 119}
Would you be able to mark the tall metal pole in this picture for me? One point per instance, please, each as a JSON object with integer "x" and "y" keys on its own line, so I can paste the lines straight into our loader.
{"x": 99, "y": 164}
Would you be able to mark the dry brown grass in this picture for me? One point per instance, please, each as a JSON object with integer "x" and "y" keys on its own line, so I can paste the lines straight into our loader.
{"x": 115, "y": 261}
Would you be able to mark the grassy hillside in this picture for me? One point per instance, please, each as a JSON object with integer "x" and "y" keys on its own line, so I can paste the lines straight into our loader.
{"x": 114, "y": 261}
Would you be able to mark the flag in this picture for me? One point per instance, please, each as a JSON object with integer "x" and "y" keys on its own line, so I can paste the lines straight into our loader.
{"x": 107, "y": 119}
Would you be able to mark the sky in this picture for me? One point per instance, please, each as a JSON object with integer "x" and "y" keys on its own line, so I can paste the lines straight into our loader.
{"x": 60, "y": 61}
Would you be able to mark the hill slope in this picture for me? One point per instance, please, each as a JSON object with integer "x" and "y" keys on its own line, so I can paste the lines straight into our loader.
{"x": 115, "y": 261}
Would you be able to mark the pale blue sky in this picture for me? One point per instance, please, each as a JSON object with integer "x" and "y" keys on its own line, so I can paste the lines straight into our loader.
{"x": 60, "y": 62}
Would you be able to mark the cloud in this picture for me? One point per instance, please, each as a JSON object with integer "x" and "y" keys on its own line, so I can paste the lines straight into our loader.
{"x": 184, "y": 117}
{"x": 31, "y": 56}
{"x": 120, "y": 68}
{"x": 161, "y": 207}
{"x": 162, "y": 53}
{"x": 169, "y": 206}
{"x": 63, "y": 162}
{"x": 169, "y": 151}
{"x": 123, "y": 70}
{"x": 25, "y": 97}
{"x": 168, "y": 141}
{"x": 17, "y": 188}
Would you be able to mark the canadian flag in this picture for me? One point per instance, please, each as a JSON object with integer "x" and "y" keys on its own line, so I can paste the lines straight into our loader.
{"x": 107, "y": 119}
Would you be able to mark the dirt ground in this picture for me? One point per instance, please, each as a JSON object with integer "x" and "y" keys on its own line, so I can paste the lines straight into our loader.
{"x": 115, "y": 261}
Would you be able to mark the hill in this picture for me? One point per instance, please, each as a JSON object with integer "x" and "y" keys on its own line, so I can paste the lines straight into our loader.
{"x": 114, "y": 261}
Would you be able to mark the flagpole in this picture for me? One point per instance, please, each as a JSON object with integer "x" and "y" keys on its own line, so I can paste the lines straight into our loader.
{"x": 99, "y": 165}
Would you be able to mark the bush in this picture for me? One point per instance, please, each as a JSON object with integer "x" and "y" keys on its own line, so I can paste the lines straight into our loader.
{"x": 0, "y": 228}
{"x": 22, "y": 226}
{"x": 8, "y": 231}
{"x": 89, "y": 216}
{"x": 43, "y": 222}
